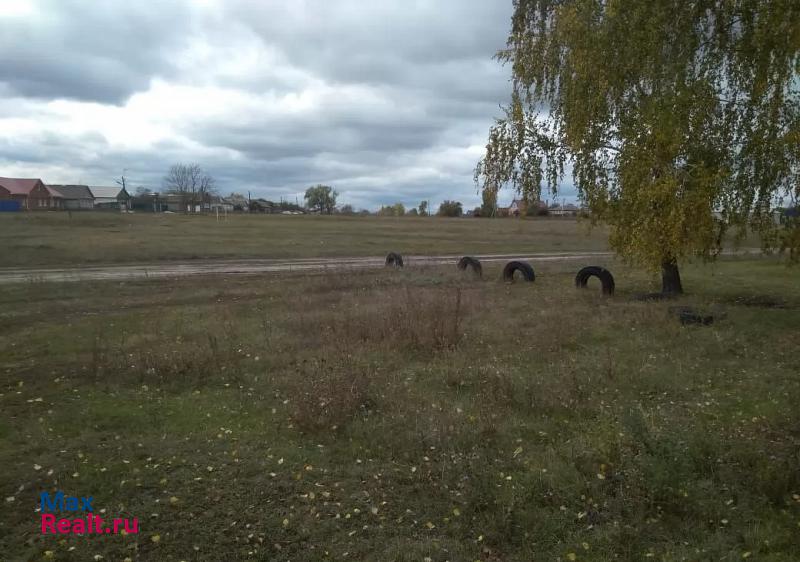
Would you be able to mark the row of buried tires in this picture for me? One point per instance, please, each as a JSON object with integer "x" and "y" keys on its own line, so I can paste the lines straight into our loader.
{"x": 525, "y": 271}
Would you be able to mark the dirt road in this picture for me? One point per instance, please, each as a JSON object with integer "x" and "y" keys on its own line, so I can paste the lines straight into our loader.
{"x": 253, "y": 266}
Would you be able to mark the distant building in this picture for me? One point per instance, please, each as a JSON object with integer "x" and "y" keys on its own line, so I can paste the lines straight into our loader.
{"x": 220, "y": 204}
{"x": 177, "y": 203}
{"x": 150, "y": 202}
{"x": 75, "y": 197}
{"x": 779, "y": 215}
{"x": 238, "y": 201}
{"x": 30, "y": 194}
{"x": 564, "y": 210}
{"x": 116, "y": 198}
{"x": 262, "y": 206}
{"x": 518, "y": 208}
{"x": 187, "y": 202}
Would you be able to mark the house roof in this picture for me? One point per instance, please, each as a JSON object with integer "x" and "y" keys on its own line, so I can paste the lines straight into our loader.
{"x": 520, "y": 202}
{"x": 105, "y": 192}
{"x": 73, "y": 191}
{"x": 23, "y": 186}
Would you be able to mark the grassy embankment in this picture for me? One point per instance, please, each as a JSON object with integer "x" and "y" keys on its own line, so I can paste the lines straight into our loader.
{"x": 406, "y": 415}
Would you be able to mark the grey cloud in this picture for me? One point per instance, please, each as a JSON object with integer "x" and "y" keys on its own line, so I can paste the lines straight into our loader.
{"x": 95, "y": 51}
{"x": 47, "y": 147}
{"x": 32, "y": 75}
{"x": 329, "y": 134}
{"x": 417, "y": 33}
{"x": 430, "y": 86}
{"x": 442, "y": 47}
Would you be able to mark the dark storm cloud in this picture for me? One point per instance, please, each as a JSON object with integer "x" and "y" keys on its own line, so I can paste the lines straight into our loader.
{"x": 387, "y": 101}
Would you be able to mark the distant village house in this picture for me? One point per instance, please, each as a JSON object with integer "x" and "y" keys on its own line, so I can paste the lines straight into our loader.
{"x": 564, "y": 210}
{"x": 28, "y": 194}
{"x": 75, "y": 197}
{"x": 518, "y": 208}
{"x": 221, "y": 205}
{"x": 111, "y": 198}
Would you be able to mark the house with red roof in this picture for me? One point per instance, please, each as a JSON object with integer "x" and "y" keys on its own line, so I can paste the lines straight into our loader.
{"x": 520, "y": 207}
{"x": 30, "y": 194}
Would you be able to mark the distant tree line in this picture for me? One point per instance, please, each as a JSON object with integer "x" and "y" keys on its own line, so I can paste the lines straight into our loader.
{"x": 196, "y": 186}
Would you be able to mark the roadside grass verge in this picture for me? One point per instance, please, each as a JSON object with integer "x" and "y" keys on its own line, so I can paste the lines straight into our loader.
{"x": 405, "y": 415}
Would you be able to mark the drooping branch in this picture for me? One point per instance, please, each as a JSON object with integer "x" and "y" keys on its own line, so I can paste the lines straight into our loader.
{"x": 667, "y": 119}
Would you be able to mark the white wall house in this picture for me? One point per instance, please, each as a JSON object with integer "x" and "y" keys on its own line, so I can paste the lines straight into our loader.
{"x": 114, "y": 197}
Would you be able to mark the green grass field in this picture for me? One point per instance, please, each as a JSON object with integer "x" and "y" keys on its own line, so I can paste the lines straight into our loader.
{"x": 43, "y": 239}
{"x": 406, "y": 416}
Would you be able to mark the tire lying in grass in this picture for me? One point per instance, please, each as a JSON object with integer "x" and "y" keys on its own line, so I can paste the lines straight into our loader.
{"x": 523, "y": 267}
{"x": 471, "y": 263}
{"x": 394, "y": 260}
{"x": 601, "y": 273}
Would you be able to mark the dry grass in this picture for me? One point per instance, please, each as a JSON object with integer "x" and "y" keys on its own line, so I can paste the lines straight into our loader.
{"x": 405, "y": 415}
{"x": 46, "y": 239}
{"x": 421, "y": 319}
{"x": 327, "y": 393}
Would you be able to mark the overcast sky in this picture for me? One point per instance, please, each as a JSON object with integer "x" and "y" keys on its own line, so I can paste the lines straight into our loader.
{"x": 386, "y": 100}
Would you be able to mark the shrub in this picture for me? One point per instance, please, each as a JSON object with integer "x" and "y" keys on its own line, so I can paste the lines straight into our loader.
{"x": 396, "y": 210}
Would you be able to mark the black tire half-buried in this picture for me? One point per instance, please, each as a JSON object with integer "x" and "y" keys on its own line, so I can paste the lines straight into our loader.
{"x": 601, "y": 273}
{"x": 474, "y": 265}
{"x": 523, "y": 267}
{"x": 394, "y": 260}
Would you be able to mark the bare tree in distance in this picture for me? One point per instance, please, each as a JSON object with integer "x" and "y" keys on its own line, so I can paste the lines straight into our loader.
{"x": 191, "y": 182}
{"x": 122, "y": 181}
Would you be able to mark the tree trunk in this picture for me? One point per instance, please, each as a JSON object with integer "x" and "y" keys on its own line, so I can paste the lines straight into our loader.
{"x": 670, "y": 278}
